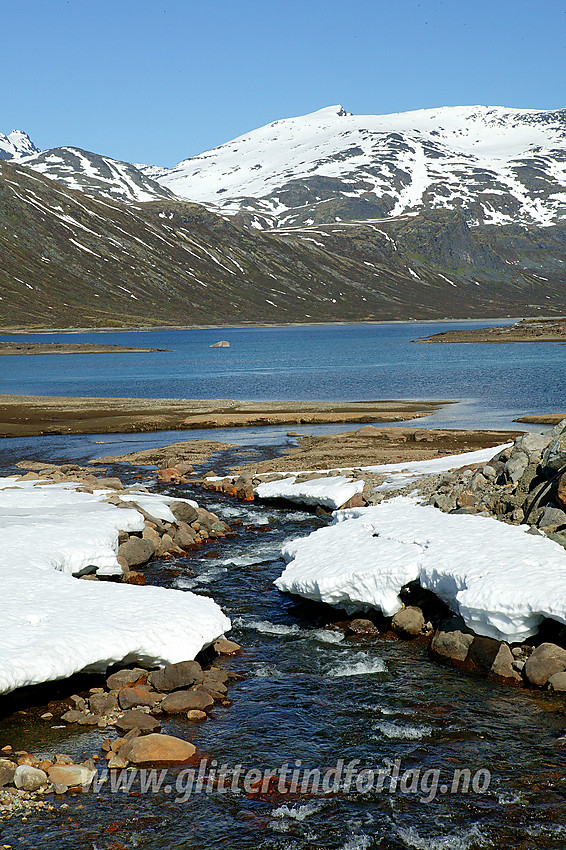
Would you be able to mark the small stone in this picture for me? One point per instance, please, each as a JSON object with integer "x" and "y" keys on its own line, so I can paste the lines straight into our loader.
{"x": 59, "y": 788}
{"x": 361, "y": 626}
{"x": 226, "y": 647}
{"x": 47, "y": 716}
{"x": 196, "y": 714}
{"x": 72, "y": 716}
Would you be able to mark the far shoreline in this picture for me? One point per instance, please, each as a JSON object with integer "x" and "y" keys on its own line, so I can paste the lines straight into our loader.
{"x": 250, "y": 325}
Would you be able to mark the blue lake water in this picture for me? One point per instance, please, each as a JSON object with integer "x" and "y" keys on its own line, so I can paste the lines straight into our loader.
{"x": 492, "y": 383}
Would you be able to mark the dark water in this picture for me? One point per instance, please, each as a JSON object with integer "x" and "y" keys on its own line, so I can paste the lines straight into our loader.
{"x": 494, "y": 383}
{"x": 308, "y": 697}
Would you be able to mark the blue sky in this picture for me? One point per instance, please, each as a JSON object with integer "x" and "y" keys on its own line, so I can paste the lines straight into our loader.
{"x": 155, "y": 82}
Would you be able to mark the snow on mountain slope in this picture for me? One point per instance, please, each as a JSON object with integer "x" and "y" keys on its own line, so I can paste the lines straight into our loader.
{"x": 97, "y": 175}
{"x": 498, "y": 165}
{"x": 16, "y": 145}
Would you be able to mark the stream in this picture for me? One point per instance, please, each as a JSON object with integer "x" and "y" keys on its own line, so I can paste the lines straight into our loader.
{"x": 311, "y": 698}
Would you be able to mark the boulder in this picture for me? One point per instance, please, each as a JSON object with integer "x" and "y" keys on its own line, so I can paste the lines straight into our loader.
{"x": 72, "y": 716}
{"x": 503, "y": 668}
{"x": 533, "y": 445}
{"x": 555, "y": 455}
{"x": 557, "y": 683}
{"x": 451, "y": 646}
{"x": 408, "y": 621}
{"x": 195, "y": 714}
{"x": 156, "y": 748}
{"x": 180, "y": 702}
{"x": 516, "y": 465}
{"x": 71, "y": 775}
{"x": 130, "y": 697}
{"x": 136, "y": 551}
{"x": 185, "y": 536}
{"x": 126, "y": 678}
{"x": 183, "y": 512}
{"x": 176, "y": 676}
{"x": 552, "y": 518}
{"x": 138, "y": 720}
{"x": 546, "y": 660}
{"x": 134, "y": 578}
{"x": 28, "y": 778}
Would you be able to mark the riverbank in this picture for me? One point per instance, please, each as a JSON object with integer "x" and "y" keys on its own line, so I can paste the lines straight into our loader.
{"x": 37, "y": 415}
{"x": 525, "y": 330}
{"x": 370, "y": 445}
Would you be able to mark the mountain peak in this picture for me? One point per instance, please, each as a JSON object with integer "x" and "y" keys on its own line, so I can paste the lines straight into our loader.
{"x": 16, "y": 145}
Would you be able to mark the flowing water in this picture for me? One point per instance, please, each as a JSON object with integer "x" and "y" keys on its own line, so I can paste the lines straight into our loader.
{"x": 309, "y": 697}
{"x": 313, "y": 699}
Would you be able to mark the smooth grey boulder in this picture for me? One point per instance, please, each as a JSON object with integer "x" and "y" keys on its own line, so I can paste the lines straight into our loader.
{"x": 28, "y": 778}
{"x": 136, "y": 551}
{"x": 546, "y": 660}
{"x": 408, "y": 621}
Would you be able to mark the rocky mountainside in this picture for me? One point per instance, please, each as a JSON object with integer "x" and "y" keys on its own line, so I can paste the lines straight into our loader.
{"x": 16, "y": 145}
{"x": 71, "y": 260}
{"x": 496, "y": 165}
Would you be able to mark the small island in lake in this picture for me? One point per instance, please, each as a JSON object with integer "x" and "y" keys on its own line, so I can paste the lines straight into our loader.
{"x": 526, "y": 330}
{"x": 70, "y": 348}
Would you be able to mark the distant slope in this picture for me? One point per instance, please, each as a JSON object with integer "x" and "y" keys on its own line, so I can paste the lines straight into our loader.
{"x": 100, "y": 176}
{"x": 69, "y": 260}
{"x": 496, "y": 165}
{"x": 16, "y": 145}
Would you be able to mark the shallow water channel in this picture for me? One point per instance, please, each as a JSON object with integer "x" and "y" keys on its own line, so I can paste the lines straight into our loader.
{"x": 312, "y": 699}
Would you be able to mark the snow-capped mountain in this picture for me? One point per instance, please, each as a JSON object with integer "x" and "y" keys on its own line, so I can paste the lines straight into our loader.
{"x": 97, "y": 175}
{"x": 497, "y": 165}
{"x": 16, "y": 145}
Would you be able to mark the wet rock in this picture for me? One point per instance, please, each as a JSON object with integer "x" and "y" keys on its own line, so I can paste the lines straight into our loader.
{"x": 126, "y": 678}
{"x": 503, "y": 668}
{"x": 102, "y": 703}
{"x": 176, "y": 676}
{"x": 183, "y": 512}
{"x": 546, "y": 660}
{"x": 7, "y": 772}
{"x": 136, "y": 551}
{"x": 226, "y": 647}
{"x": 72, "y": 716}
{"x": 451, "y": 646}
{"x": 71, "y": 775}
{"x": 138, "y": 720}
{"x": 157, "y": 748}
{"x": 195, "y": 714}
{"x": 28, "y": 778}
{"x": 134, "y": 578}
{"x": 185, "y": 536}
{"x": 557, "y": 683}
{"x": 130, "y": 697}
{"x": 408, "y": 621}
{"x": 180, "y": 702}
{"x": 170, "y": 475}
{"x": 361, "y": 626}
